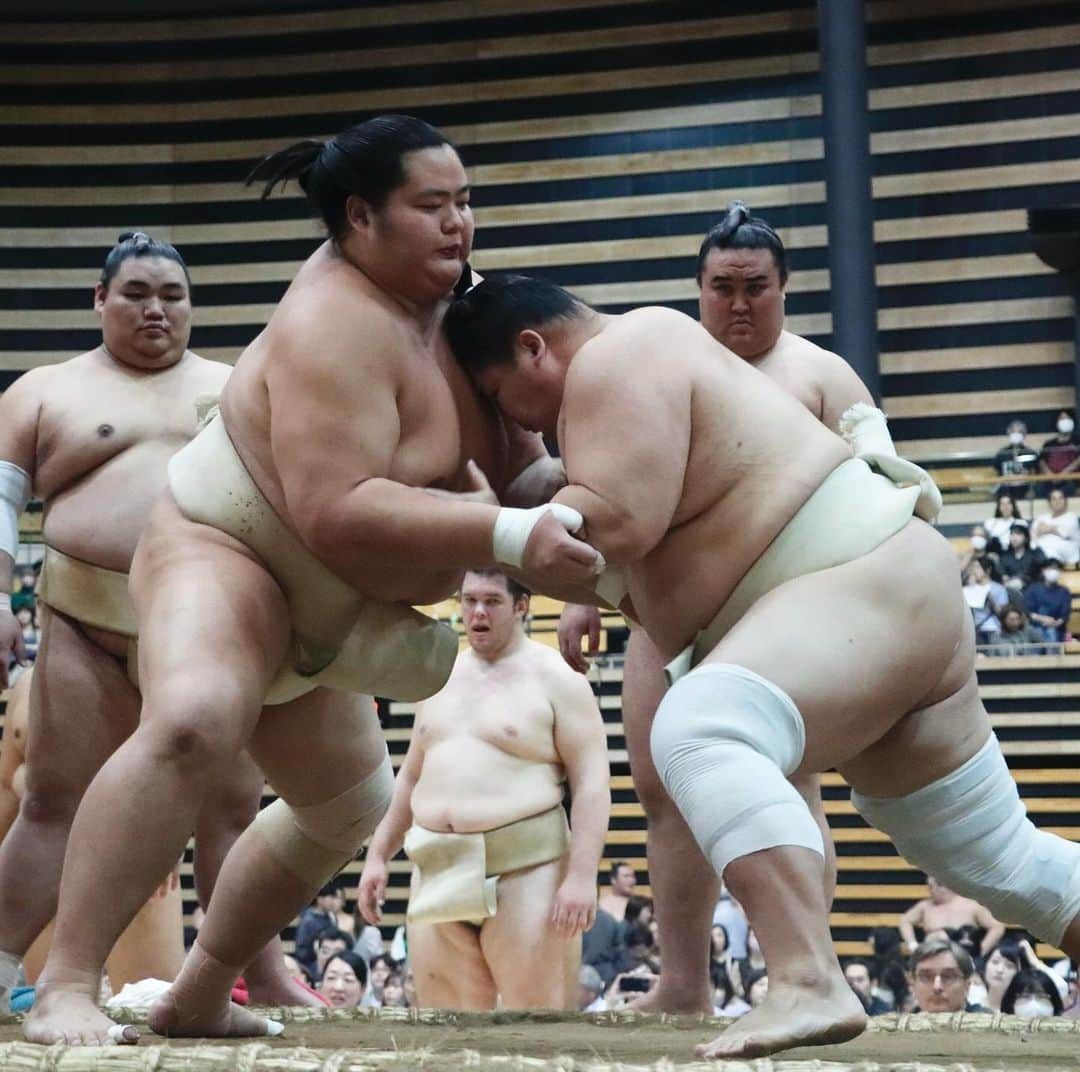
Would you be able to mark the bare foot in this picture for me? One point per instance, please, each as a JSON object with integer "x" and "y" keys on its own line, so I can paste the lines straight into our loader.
{"x": 168, "y": 1016}
{"x": 674, "y": 999}
{"x": 810, "y": 1013}
{"x": 66, "y": 1015}
{"x": 284, "y": 991}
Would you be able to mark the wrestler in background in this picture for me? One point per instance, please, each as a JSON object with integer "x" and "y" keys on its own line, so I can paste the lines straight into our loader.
{"x": 93, "y": 436}
{"x": 274, "y": 581}
{"x": 741, "y": 272}
{"x": 773, "y": 580}
{"x": 498, "y": 914}
{"x": 152, "y": 946}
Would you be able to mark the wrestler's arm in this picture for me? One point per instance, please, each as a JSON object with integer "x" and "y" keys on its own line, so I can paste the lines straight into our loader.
{"x": 20, "y": 410}
{"x": 911, "y": 919}
{"x": 334, "y": 454}
{"x": 389, "y": 835}
{"x": 995, "y": 930}
{"x": 626, "y": 486}
{"x": 581, "y": 744}
{"x": 534, "y": 475}
{"x": 840, "y": 388}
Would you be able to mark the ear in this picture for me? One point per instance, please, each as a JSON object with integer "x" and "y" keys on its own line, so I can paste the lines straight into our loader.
{"x": 532, "y": 347}
{"x": 99, "y": 297}
{"x": 358, "y": 212}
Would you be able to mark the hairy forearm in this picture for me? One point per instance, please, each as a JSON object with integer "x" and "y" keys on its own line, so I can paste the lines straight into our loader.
{"x": 590, "y": 809}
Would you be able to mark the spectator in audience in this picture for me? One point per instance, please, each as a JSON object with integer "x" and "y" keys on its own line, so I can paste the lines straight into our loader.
{"x": 1057, "y": 533}
{"x": 978, "y": 543}
{"x": 410, "y": 988}
{"x": 315, "y": 918}
{"x": 1060, "y": 454}
{"x": 944, "y": 910}
{"x": 26, "y": 596}
{"x": 757, "y": 987}
{"x": 1016, "y": 636}
{"x": 940, "y": 973}
{"x": 628, "y": 985}
{"x": 1020, "y": 563}
{"x": 344, "y": 980}
{"x": 752, "y": 962}
{"x": 393, "y": 995}
{"x": 344, "y": 921}
{"x": 1003, "y": 962}
{"x": 27, "y": 619}
{"x": 614, "y": 900}
{"x": 1049, "y": 604}
{"x": 639, "y": 950}
{"x": 329, "y": 941}
{"x": 382, "y": 967}
{"x": 997, "y": 527}
{"x": 369, "y": 943}
{"x": 860, "y": 978}
{"x": 987, "y": 599}
{"x": 1016, "y": 459}
{"x": 1032, "y": 993}
{"x": 601, "y": 946}
{"x": 720, "y": 958}
{"x": 730, "y": 915}
{"x": 725, "y": 1001}
{"x": 590, "y": 990}
{"x": 639, "y": 910}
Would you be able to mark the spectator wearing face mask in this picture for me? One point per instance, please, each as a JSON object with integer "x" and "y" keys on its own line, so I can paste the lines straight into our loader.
{"x": 1060, "y": 454}
{"x": 1020, "y": 563}
{"x": 1030, "y": 994}
{"x": 1049, "y": 604}
{"x": 1006, "y": 512}
{"x": 978, "y": 544}
{"x": 1015, "y": 459}
{"x": 1057, "y": 533}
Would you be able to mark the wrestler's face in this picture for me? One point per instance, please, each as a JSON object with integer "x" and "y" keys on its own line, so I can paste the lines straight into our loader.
{"x": 939, "y": 984}
{"x": 145, "y": 312}
{"x": 938, "y": 892}
{"x": 417, "y": 243}
{"x": 528, "y": 390}
{"x": 340, "y": 986}
{"x": 491, "y": 617}
{"x": 741, "y": 303}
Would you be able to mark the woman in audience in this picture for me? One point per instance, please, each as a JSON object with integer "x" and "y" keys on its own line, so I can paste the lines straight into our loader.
{"x": 1020, "y": 564}
{"x": 394, "y": 992}
{"x": 741, "y": 970}
{"x": 1060, "y": 454}
{"x": 997, "y": 527}
{"x": 725, "y": 1000}
{"x": 978, "y": 547}
{"x": 1031, "y": 993}
{"x": 987, "y": 599}
{"x": 720, "y": 958}
{"x": 999, "y": 969}
{"x": 757, "y": 987}
{"x": 382, "y": 967}
{"x": 1016, "y": 635}
{"x": 344, "y": 980}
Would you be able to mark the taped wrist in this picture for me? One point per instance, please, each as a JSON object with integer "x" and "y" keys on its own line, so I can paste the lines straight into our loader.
{"x": 14, "y": 495}
{"x": 513, "y": 527}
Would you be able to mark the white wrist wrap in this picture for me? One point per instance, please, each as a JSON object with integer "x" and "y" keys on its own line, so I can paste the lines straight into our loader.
{"x": 5, "y": 604}
{"x": 864, "y": 427}
{"x": 14, "y": 495}
{"x": 513, "y": 528}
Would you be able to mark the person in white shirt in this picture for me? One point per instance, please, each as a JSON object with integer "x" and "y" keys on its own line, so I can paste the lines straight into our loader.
{"x": 1057, "y": 533}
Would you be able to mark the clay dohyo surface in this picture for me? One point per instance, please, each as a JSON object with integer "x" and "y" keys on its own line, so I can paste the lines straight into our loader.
{"x": 395, "y": 1040}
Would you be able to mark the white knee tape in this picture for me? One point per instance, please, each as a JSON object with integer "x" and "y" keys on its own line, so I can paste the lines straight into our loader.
{"x": 723, "y": 741}
{"x": 970, "y": 830}
{"x": 315, "y": 841}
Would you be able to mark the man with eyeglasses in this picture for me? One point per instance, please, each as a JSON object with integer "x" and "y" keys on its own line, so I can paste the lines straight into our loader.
{"x": 940, "y": 973}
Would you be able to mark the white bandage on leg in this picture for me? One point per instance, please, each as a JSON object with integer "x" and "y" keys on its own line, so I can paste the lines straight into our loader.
{"x": 866, "y": 429}
{"x": 513, "y": 527}
{"x": 14, "y": 495}
{"x": 970, "y": 830}
{"x": 723, "y": 741}
{"x": 316, "y": 840}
